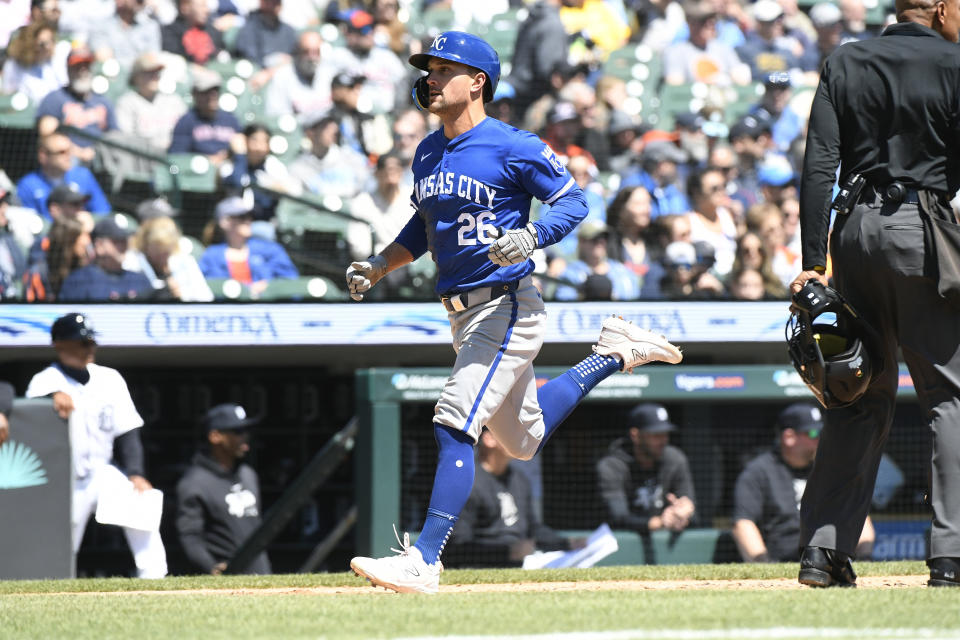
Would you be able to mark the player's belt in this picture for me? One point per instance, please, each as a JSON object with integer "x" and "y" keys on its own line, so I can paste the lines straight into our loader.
{"x": 466, "y": 299}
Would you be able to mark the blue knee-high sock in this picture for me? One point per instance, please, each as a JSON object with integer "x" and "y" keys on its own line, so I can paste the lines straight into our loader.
{"x": 451, "y": 488}
{"x": 559, "y": 396}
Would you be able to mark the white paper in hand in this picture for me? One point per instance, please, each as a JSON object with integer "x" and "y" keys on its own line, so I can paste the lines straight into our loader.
{"x": 600, "y": 544}
{"x": 120, "y": 504}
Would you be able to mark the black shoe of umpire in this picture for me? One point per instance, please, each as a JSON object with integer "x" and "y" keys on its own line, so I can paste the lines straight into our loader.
{"x": 944, "y": 572}
{"x": 821, "y": 567}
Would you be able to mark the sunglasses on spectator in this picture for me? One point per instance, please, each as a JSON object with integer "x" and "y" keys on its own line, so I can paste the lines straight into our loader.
{"x": 717, "y": 188}
{"x": 56, "y": 152}
{"x": 246, "y": 217}
{"x": 813, "y": 434}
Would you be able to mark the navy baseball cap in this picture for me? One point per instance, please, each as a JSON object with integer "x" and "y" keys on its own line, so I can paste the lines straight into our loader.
{"x": 73, "y": 326}
{"x": 649, "y": 417}
{"x": 802, "y": 417}
{"x": 226, "y": 417}
{"x": 777, "y": 79}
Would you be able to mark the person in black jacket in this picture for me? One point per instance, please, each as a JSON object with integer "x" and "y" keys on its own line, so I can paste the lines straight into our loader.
{"x": 218, "y": 498}
{"x": 766, "y": 499}
{"x": 499, "y": 526}
{"x": 886, "y": 109}
{"x": 644, "y": 482}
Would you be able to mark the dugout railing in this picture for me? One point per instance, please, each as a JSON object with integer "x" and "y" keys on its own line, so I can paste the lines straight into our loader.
{"x": 702, "y": 391}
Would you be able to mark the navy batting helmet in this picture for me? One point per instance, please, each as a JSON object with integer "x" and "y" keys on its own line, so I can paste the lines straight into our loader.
{"x": 73, "y": 326}
{"x": 465, "y": 48}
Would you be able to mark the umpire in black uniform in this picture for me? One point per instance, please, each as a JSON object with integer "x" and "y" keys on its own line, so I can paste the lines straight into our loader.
{"x": 887, "y": 109}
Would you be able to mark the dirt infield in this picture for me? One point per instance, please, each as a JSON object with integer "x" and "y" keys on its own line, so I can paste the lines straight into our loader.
{"x": 864, "y": 582}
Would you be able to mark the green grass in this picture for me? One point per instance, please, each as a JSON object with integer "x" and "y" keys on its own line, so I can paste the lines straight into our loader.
{"x": 78, "y": 609}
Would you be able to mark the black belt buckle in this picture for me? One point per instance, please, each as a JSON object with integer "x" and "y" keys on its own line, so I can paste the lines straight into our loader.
{"x": 895, "y": 192}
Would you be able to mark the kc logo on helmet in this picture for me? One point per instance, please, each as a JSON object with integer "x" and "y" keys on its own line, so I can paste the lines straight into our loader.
{"x": 438, "y": 43}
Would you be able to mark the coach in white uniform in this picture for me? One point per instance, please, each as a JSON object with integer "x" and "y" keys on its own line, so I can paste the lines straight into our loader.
{"x": 100, "y": 412}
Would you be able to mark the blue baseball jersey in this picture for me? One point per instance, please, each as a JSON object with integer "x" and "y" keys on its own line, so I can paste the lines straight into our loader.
{"x": 484, "y": 179}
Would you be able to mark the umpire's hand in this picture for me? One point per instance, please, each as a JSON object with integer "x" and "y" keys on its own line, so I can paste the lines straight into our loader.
{"x": 361, "y": 276}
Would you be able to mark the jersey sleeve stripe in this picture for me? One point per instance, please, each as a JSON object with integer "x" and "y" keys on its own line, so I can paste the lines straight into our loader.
{"x": 562, "y": 191}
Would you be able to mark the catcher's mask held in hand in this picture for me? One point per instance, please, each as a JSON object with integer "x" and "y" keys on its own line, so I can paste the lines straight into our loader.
{"x": 833, "y": 359}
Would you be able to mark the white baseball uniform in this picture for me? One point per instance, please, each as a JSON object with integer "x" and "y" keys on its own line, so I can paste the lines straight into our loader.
{"x": 103, "y": 410}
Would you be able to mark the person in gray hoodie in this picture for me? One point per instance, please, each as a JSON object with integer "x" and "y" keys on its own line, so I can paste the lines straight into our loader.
{"x": 218, "y": 498}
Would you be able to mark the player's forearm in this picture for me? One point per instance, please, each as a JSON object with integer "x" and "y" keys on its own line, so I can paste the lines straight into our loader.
{"x": 396, "y": 256}
{"x": 749, "y": 541}
{"x": 565, "y": 213}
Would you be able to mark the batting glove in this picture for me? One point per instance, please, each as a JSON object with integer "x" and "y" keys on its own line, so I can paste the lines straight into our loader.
{"x": 514, "y": 246}
{"x": 363, "y": 275}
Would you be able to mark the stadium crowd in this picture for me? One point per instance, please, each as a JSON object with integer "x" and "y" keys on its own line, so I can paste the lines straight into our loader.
{"x": 683, "y": 122}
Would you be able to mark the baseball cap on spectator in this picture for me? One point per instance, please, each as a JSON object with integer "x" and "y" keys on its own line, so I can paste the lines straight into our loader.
{"x": 149, "y": 61}
{"x": 622, "y": 121}
{"x": 505, "y": 91}
{"x": 227, "y": 417}
{"x": 777, "y": 79}
{"x": 699, "y": 10}
{"x": 79, "y": 55}
{"x": 562, "y": 112}
{"x": 663, "y": 151}
{"x": 232, "y": 206}
{"x": 358, "y": 21}
{"x": 688, "y": 120}
{"x": 591, "y": 229}
{"x": 155, "y": 208}
{"x": 750, "y": 127}
{"x": 109, "y": 227}
{"x": 311, "y": 119}
{"x": 775, "y": 172}
{"x": 67, "y": 193}
{"x": 680, "y": 254}
{"x": 6, "y": 398}
{"x": 767, "y": 10}
{"x": 205, "y": 80}
{"x": 347, "y": 79}
{"x": 706, "y": 254}
{"x": 650, "y": 417}
{"x": 802, "y": 417}
{"x": 825, "y": 14}
{"x": 596, "y": 288}
{"x": 73, "y": 326}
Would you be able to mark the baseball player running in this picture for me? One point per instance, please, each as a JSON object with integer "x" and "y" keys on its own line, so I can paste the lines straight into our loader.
{"x": 473, "y": 182}
{"x": 97, "y": 404}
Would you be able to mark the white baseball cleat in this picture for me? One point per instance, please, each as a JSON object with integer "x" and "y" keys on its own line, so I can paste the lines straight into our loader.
{"x": 634, "y": 345}
{"x": 405, "y": 572}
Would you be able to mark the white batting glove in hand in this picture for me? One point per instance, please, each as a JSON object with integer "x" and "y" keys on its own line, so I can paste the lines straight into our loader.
{"x": 514, "y": 246}
{"x": 363, "y": 275}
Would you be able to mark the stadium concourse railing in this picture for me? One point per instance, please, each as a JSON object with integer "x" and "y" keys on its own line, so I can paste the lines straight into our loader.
{"x": 380, "y": 394}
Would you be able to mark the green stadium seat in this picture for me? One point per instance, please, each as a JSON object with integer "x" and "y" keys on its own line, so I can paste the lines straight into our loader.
{"x": 228, "y": 289}
{"x": 634, "y": 62}
{"x": 186, "y": 172}
{"x": 691, "y": 546}
{"x": 304, "y": 288}
{"x": 16, "y": 111}
{"x": 431, "y": 22}
{"x": 300, "y": 217}
{"x": 191, "y": 245}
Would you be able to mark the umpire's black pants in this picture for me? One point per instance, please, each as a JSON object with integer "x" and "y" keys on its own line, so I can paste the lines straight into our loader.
{"x": 881, "y": 263}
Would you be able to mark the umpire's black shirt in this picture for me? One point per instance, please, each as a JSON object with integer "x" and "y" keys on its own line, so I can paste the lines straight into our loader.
{"x": 889, "y": 109}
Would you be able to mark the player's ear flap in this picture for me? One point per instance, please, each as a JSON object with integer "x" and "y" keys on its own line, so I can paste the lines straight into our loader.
{"x": 421, "y": 93}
